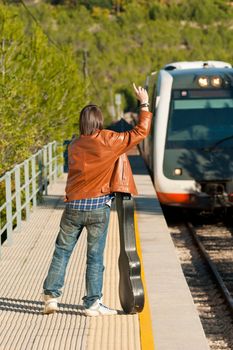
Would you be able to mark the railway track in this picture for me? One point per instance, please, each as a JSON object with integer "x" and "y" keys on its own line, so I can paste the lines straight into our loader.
{"x": 222, "y": 277}
{"x": 206, "y": 256}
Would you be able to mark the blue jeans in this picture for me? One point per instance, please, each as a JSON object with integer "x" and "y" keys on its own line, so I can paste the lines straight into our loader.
{"x": 72, "y": 223}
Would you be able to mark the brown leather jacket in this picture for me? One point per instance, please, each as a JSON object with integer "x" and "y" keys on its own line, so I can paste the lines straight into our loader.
{"x": 98, "y": 165}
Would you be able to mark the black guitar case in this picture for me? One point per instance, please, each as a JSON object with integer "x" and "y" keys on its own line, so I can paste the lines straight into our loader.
{"x": 130, "y": 285}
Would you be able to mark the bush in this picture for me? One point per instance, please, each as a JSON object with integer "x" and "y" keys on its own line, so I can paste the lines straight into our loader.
{"x": 40, "y": 89}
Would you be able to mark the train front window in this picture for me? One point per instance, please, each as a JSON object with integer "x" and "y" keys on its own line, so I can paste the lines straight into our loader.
{"x": 200, "y": 122}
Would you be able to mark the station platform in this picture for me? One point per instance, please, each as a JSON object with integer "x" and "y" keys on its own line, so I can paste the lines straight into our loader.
{"x": 169, "y": 320}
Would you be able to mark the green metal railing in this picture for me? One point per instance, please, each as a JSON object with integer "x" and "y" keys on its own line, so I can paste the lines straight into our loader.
{"x": 24, "y": 185}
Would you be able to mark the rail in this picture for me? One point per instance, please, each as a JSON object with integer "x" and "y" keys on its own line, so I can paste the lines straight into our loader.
{"x": 219, "y": 280}
{"x": 23, "y": 186}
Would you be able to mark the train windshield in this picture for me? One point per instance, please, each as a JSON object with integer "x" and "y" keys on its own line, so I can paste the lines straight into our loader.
{"x": 200, "y": 122}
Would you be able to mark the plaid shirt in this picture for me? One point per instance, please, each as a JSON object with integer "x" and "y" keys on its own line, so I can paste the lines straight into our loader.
{"x": 90, "y": 203}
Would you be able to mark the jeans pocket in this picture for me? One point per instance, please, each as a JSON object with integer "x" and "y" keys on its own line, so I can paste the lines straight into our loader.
{"x": 99, "y": 215}
{"x": 70, "y": 220}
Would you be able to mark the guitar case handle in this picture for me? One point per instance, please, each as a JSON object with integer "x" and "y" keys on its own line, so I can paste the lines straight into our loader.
{"x": 131, "y": 290}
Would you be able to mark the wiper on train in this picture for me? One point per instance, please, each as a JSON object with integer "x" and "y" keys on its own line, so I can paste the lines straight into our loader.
{"x": 211, "y": 148}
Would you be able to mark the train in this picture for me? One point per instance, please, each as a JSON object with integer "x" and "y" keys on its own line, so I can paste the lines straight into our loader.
{"x": 189, "y": 150}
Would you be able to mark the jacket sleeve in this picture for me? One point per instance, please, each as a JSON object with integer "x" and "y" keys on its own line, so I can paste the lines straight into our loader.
{"x": 121, "y": 142}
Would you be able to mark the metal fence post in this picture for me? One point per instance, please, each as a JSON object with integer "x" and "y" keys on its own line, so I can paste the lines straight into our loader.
{"x": 34, "y": 181}
{"x": 50, "y": 145}
{"x": 8, "y": 207}
{"x": 40, "y": 166}
{"x": 18, "y": 197}
{"x": 55, "y": 162}
{"x": 45, "y": 180}
{"x": 61, "y": 162}
{"x": 27, "y": 189}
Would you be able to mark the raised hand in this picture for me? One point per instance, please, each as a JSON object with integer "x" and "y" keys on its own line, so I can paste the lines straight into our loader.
{"x": 141, "y": 94}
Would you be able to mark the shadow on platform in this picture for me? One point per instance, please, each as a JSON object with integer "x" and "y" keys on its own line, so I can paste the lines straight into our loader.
{"x": 148, "y": 205}
{"x": 36, "y": 307}
{"x": 52, "y": 201}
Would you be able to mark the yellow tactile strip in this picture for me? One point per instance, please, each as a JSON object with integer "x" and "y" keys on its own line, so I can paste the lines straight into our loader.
{"x": 23, "y": 268}
{"x": 146, "y": 331}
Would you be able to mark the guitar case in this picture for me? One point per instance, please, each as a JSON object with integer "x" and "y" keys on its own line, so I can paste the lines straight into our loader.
{"x": 131, "y": 290}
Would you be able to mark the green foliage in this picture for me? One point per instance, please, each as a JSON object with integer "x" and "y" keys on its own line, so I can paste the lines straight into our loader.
{"x": 205, "y": 11}
{"x": 104, "y": 46}
{"x": 40, "y": 89}
{"x": 124, "y": 47}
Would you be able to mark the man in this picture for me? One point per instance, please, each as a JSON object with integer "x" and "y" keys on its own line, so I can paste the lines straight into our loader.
{"x": 97, "y": 168}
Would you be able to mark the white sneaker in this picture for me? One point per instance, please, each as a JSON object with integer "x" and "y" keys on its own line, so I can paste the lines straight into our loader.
{"x": 98, "y": 309}
{"x": 50, "y": 304}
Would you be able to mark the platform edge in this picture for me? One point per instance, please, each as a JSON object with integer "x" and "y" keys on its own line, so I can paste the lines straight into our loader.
{"x": 145, "y": 321}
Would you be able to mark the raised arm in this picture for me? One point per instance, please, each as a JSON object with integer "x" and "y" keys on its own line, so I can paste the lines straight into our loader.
{"x": 121, "y": 142}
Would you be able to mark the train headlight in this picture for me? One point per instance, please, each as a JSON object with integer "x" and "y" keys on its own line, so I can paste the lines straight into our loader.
{"x": 203, "y": 81}
{"x": 216, "y": 81}
{"x": 184, "y": 93}
{"x": 177, "y": 171}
